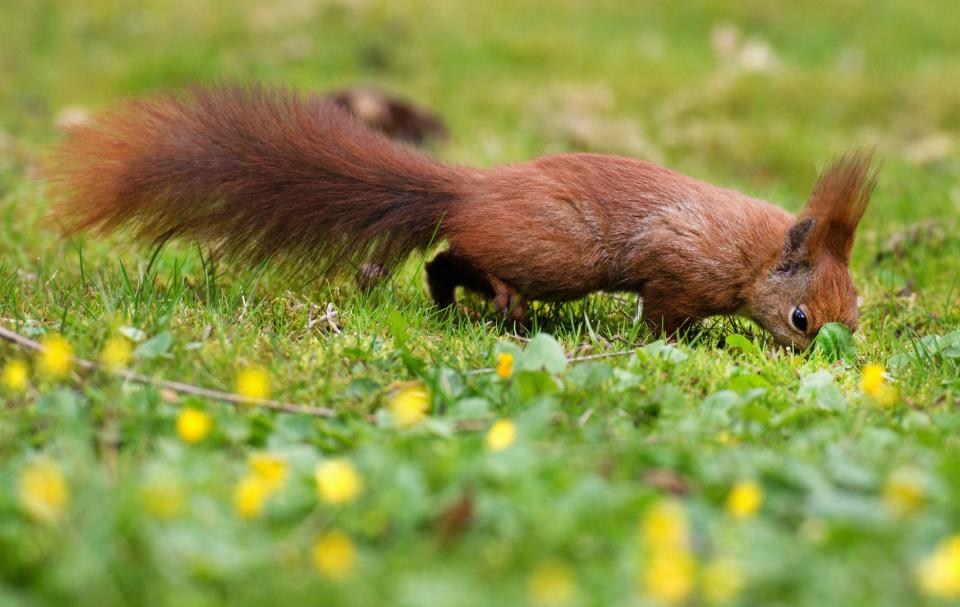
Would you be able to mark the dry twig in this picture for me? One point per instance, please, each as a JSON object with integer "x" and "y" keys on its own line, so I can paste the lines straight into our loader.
{"x": 179, "y": 387}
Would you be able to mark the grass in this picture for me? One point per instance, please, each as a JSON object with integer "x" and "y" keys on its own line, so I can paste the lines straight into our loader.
{"x": 609, "y": 453}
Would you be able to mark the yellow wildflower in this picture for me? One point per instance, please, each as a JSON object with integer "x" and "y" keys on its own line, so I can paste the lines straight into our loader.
{"x": 15, "y": 376}
{"x": 43, "y": 492}
{"x": 873, "y": 383}
{"x": 163, "y": 497}
{"x": 504, "y": 365}
{"x": 116, "y": 353}
{"x": 56, "y": 359}
{"x": 253, "y": 383}
{"x": 409, "y": 406}
{"x": 334, "y": 555}
{"x": 904, "y": 492}
{"x": 939, "y": 574}
{"x": 722, "y": 581}
{"x": 271, "y": 469}
{"x": 501, "y": 435}
{"x": 337, "y": 481}
{"x": 193, "y": 425}
{"x": 665, "y": 526}
{"x": 249, "y": 496}
{"x": 872, "y": 380}
{"x": 551, "y": 583}
{"x": 669, "y": 575}
{"x": 744, "y": 499}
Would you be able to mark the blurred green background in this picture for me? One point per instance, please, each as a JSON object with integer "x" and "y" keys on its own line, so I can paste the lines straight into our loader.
{"x": 752, "y": 95}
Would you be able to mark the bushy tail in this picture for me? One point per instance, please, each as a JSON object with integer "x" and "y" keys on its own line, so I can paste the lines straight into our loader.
{"x": 259, "y": 173}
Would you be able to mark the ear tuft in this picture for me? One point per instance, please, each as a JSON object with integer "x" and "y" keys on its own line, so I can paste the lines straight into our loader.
{"x": 796, "y": 250}
{"x": 838, "y": 202}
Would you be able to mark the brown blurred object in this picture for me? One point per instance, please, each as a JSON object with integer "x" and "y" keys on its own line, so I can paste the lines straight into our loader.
{"x": 397, "y": 118}
{"x": 667, "y": 480}
{"x": 457, "y": 517}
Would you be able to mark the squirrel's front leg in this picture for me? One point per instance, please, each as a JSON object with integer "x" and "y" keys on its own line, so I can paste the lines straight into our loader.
{"x": 664, "y": 321}
{"x": 508, "y": 300}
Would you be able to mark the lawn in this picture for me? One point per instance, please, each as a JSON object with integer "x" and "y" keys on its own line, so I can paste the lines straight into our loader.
{"x": 440, "y": 458}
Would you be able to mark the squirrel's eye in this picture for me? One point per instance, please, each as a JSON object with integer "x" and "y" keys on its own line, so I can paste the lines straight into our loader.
{"x": 799, "y": 320}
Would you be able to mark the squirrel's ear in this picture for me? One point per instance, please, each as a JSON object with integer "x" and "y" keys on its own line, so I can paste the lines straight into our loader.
{"x": 838, "y": 202}
{"x": 796, "y": 249}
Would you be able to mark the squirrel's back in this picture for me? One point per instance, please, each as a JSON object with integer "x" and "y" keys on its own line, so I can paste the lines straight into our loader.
{"x": 257, "y": 172}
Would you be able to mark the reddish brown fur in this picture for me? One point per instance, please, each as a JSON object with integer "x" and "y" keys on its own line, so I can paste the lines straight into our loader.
{"x": 839, "y": 201}
{"x": 267, "y": 174}
{"x": 260, "y": 173}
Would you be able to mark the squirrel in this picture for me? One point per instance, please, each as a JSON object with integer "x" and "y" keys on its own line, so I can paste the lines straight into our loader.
{"x": 263, "y": 173}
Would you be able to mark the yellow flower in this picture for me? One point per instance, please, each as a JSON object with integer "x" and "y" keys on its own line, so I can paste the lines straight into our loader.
{"x": 249, "y": 496}
{"x": 56, "y": 358}
{"x": 665, "y": 526}
{"x": 504, "y": 365}
{"x": 43, "y": 492}
{"x": 551, "y": 583}
{"x": 267, "y": 475}
{"x": 873, "y": 383}
{"x": 501, "y": 435}
{"x": 872, "y": 380}
{"x": 193, "y": 425}
{"x": 334, "y": 555}
{"x": 903, "y": 494}
{"x": 337, "y": 481}
{"x": 669, "y": 576}
{"x": 253, "y": 383}
{"x": 669, "y": 571}
{"x": 116, "y": 353}
{"x": 744, "y": 499}
{"x": 410, "y": 406}
{"x": 15, "y": 376}
{"x": 271, "y": 469}
{"x": 722, "y": 581}
{"x": 163, "y": 497}
{"x": 939, "y": 574}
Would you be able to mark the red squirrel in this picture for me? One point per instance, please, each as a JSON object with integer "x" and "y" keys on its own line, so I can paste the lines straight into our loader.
{"x": 269, "y": 174}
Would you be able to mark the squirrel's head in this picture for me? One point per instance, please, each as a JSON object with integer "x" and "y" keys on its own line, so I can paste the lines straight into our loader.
{"x": 809, "y": 285}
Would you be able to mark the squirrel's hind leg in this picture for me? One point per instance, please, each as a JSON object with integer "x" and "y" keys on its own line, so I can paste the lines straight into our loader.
{"x": 447, "y": 271}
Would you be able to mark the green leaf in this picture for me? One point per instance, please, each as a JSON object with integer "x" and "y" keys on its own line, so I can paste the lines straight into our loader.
{"x": 930, "y": 344}
{"x": 625, "y": 380}
{"x": 472, "y": 408}
{"x": 531, "y": 384}
{"x": 742, "y": 381}
{"x": 591, "y": 374}
{"x": 506, "y": 347}
{"x": 449, "y": 382}
{"x": 721, "y": 401}
{"x": 898, "y": 362}
{"x": 950, "y": 345}
{"x": 835, "y": 343}
{"x": 155, "y": 347}
{"x": 661, "y": 349}
{"x": 543, "y": 352}
{"x": 739, "y": 342}
{"x": 819, "y": 389}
